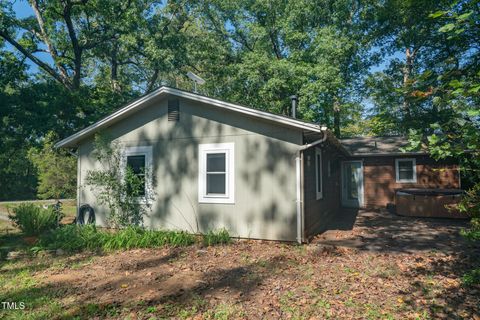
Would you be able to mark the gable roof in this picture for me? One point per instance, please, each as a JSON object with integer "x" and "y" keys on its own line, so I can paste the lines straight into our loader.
{"x": 137, "y": 104}
{"x": 377, "y": 146}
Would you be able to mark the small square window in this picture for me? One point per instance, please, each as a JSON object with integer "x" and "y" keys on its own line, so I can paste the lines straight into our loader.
{"x": 216, "y": 173}
{"x": 405, "y": 170}
{"x": 139, "y": 160}
{"x": 137, "y": 165}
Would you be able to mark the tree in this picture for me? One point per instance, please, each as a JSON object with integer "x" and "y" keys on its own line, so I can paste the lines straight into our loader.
{"x": 269, "y": 50}
{"x": 116, "y": 188}
{"x": 56, "y": 170}
{"x": 403, "y": 30}
{"x": 130, "y": 42}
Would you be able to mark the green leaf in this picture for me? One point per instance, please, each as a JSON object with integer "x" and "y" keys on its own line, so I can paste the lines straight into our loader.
{"x": 437, "y": 14}
{"x": 474, "y": 89}
{"x": 433, "y": 139}
{"x": 455, "y": 84}
{"x": 447, "y": 28}
{"x": 464, "y": 16}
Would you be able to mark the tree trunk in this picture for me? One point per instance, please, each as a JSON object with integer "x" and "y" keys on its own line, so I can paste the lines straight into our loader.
{"x": 114, "y": 69}
{"x": 407, "y": 73}
{"x": 336, "y": 117}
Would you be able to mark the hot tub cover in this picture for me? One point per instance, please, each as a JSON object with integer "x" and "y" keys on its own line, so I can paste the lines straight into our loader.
{"x": 430, "y": 192}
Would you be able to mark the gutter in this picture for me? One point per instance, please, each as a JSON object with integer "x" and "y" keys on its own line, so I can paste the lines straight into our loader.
{"x": 299, "y": 170}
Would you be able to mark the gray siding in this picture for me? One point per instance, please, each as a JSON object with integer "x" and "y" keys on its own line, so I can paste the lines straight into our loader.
{"x": 264, "y": 170}
{"x": 319, "y": 213}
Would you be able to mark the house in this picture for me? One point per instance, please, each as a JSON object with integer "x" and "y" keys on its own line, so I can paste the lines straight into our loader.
{"x": 382, "y": 169}
{"x": 215, "y": 164}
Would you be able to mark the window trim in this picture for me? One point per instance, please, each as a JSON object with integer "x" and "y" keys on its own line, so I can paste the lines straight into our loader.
{"x": 318, "y": 187}
{"x": 397, "y": 170}
{"x": 229, "y": 150}
{"x": 146, "y": 151}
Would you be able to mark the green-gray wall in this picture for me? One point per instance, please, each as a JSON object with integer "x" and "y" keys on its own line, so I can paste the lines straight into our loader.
{"x": 265, "y": 184}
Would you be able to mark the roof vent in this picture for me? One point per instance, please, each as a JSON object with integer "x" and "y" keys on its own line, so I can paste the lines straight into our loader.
{"x": 173, "y": 110}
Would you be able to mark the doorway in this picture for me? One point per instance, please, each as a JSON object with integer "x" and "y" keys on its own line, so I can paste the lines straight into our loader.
{"x": 352, "y": 184}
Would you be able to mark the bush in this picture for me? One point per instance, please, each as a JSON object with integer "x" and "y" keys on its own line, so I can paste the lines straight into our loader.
{"x": 216, "y": 237}
{"x": 472, "y": 277}
{"x": 77, "y": 238}
{"x": 34, "y": 220}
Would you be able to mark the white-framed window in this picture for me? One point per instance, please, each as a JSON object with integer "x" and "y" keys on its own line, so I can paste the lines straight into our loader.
{"x": 216, "y": 176}
{"x": 406, "y": 170}
{"x": 318, "y": 173}
{"x": 139, "y": 160}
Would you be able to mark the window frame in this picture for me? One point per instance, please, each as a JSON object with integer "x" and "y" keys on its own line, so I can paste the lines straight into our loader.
{"x": 397, "y": 170}
{"x": 318, "y": 174}
{"x": 146, "y": 151}
{"x": 229, "y": 150}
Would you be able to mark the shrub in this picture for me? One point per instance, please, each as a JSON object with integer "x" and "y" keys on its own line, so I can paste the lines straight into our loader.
{"x": 116, "y": 186}
{"x": 34, "y": 220}
{"x": 472, "y": 277}
{"x": 216, "y": 237}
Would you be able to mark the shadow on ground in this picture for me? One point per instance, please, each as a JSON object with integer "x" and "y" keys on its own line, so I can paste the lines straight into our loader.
{"x": 386, "y": 232}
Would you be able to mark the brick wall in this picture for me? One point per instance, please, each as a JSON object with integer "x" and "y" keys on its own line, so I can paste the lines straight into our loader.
{"x": 380, "y": 183}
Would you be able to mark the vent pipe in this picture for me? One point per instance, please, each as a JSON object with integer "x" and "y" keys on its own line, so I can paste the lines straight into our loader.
{"x": 294, "y": 99}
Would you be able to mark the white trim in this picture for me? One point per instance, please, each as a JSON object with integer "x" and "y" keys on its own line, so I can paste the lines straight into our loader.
{"x": 139, "y": 103}
{"x": 318, "y": 187}
{"x": 397, "y": 172}
{"x": 229, "y": 150}
{"x": 146, "y": 151}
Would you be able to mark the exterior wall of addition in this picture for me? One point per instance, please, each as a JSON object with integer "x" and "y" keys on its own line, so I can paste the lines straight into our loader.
{"x": 380, "y": 178}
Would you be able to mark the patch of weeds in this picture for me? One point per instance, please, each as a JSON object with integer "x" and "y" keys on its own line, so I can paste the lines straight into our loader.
{"x": 288, "y": 305}
{"x": 197, "y": 303}
{"x": 80, "y": 264}
{"x": 300, "y": 249}
{"x": 471, "y": 278}
{"x": 307, "y": 271}
{"x": 373, "y": 312}
{"x": 212, "y": 238}
{"x": 325, "y": 306}
{"x": 349, "y": 303}
{"x": 263, "y": 263}
{"x": 224, "y": 311}
{"x": 245, "y": 258}
{"x": 388, "y": 271}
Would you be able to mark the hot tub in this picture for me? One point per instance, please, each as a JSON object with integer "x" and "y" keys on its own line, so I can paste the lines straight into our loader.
{"x": 435, "y": 203}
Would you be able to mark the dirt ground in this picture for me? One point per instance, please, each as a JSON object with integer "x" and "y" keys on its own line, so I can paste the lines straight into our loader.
{"x": 271, "y": 280}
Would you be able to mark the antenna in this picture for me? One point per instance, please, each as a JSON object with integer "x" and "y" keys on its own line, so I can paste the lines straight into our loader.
{"x": 196, "y": 79}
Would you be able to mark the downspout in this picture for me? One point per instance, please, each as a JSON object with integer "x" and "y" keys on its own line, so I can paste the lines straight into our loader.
{"x": 299, "y": 167}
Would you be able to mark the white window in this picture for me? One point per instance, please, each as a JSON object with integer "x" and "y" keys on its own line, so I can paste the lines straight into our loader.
{"x": 139, "y": 160}
{"x": 318, "y": 173}
{"x": 406, "y": 170}
{"x": 216, "y": 178}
